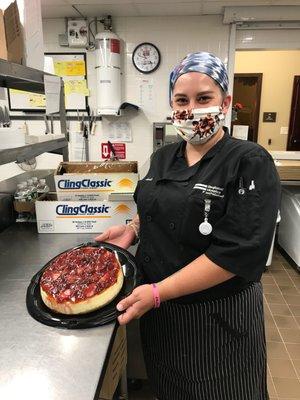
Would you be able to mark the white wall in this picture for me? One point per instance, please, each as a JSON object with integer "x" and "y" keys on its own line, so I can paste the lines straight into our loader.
{"x": 268, "y": 39}
{"x": 175, "y": 37}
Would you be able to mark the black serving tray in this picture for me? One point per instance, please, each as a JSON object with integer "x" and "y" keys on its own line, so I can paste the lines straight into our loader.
{"x": 40, "y": 312}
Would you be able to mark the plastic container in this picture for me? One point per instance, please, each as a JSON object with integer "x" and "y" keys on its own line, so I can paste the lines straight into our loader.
{"x": 42, "y": 187}
{"x": 20, "y": 196}
{"x": 19, "y": 193}
{"x": 35, "y": 181}
{"x": 33, "y": 194}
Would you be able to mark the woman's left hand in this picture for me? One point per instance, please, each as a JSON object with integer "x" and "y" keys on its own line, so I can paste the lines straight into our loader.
{"x": 136, "y": 304}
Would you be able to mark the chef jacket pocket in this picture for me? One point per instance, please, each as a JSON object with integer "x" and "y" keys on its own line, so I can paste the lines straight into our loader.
{"x": 246, "y": 214}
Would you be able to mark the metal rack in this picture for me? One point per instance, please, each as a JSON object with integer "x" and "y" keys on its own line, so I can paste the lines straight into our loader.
{"x": 17, "y": 76}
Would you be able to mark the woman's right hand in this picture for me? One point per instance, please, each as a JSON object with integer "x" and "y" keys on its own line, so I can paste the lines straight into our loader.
{"x": 120, "y": 235}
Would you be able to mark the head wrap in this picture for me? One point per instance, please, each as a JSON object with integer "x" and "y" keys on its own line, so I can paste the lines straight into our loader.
{"x": 203, "y": 62}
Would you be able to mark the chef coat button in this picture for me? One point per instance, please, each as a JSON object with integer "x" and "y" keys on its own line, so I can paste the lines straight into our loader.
{"x": 149, "y": 218}
{"x": 185, "y": 183}
{"x": 171, "y": 225}
{"x": 146, "y": 258}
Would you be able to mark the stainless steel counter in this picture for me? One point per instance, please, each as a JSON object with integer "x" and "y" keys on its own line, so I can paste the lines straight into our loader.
{"x": 36, "y": 361}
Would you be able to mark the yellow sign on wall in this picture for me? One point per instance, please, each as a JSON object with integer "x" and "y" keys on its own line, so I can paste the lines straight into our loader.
{"x": 37, "y": 100}
{"x": 69, "y": 68}
{"x": 76, "y": 86}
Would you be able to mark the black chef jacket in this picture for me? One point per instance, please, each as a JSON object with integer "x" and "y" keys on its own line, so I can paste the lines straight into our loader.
{"x": 241, "y": 182}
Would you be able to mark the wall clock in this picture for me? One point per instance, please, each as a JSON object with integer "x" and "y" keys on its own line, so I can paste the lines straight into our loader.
{"x": 146, "y": 58}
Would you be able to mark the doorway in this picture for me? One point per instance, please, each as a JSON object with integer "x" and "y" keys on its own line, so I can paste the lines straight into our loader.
{"x": 246, "y": 102}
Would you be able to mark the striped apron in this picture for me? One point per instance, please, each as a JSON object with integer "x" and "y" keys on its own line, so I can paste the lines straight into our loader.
{"x": 211, "y": 350}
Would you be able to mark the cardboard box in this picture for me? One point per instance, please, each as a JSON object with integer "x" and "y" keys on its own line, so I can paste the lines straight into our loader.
{"x": 96, "y": 167}
{"x": 116, "y": 365}
{"x": 31, "y": 20}
{"x": 25, "y": 206}
{"x": 14, "y": 34}
{"x": 55, "y": 216}
{"x": 24, "y": 33}
{"x": 91, "y": 181}
{"x": 3, "y": 47}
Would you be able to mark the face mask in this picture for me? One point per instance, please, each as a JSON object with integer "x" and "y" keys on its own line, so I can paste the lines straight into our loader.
{"x": 199, "y": 125}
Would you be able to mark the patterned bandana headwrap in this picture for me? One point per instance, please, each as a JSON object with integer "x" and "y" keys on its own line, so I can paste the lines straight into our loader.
{"x": 203, "y": 62}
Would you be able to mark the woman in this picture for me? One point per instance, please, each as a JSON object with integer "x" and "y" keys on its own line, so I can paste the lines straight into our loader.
{"x": 206, "y": 215}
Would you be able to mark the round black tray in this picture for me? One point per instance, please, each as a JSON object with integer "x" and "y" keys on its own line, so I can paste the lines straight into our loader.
{"x": 40, "y": 312}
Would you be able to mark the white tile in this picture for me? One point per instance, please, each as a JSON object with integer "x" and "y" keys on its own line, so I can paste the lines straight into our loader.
{"x": 58, "y": 11}
{"x": 100, "y": 9}
{"x": 155, "y": 9}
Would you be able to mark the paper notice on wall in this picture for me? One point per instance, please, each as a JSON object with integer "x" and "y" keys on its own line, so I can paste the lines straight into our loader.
{"x": 16, "y": 91}
{"x": 240, "y": 131}
{"x": 69, "y": 68}
{"x": 119, "y": 132}
{"x": 76, "y": 86}
{"x": 52, "y": 92}
{"x": 146, "y": 95}
{"x": 37, "y": 100}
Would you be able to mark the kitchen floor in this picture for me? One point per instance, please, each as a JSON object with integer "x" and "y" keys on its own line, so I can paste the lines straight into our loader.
{"x": 282, "y": 317}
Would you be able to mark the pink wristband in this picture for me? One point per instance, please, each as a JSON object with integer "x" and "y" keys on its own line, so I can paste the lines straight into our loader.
{"x": 156, "y": 296}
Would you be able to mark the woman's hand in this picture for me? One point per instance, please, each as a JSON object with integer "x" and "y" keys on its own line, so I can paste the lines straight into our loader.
{"x": 120, "y": 235}
{"x": 135, "y": 305}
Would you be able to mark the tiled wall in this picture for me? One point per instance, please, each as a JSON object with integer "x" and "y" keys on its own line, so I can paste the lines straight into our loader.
{"x": 175, "y": 37}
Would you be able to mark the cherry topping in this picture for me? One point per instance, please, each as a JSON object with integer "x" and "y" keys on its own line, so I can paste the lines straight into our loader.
{"x": 80, "y": 274}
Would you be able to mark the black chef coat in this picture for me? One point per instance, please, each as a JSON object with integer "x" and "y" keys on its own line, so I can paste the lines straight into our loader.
{"x": 241, "y": 182}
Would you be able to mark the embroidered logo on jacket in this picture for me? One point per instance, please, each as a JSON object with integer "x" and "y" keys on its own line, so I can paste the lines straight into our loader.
{"x": 210, "y": 190}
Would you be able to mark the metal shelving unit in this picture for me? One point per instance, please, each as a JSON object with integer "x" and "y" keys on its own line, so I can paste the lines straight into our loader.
{"x": 17, "y": 76}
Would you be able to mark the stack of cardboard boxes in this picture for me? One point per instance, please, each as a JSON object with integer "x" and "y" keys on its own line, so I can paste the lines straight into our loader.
{"x": 90, "y": 197}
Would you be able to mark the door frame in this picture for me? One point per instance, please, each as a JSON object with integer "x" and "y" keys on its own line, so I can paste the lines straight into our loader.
{"x": 296, "y": 86}
{"x": 258, "y": 92}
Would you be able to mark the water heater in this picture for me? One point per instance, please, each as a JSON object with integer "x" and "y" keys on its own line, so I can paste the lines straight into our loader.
{"x": 108, "y": 71}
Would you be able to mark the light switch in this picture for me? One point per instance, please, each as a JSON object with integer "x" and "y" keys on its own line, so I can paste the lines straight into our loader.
{"x": 284, "y": 130}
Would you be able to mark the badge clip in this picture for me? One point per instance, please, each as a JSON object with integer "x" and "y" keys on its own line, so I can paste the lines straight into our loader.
{"x": 205, "y": 228}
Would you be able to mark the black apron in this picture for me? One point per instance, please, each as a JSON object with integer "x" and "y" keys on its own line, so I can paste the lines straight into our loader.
{"x": 211, "y": 350}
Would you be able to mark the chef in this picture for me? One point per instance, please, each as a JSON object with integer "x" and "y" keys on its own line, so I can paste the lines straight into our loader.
{"x": 206, "y": 215}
